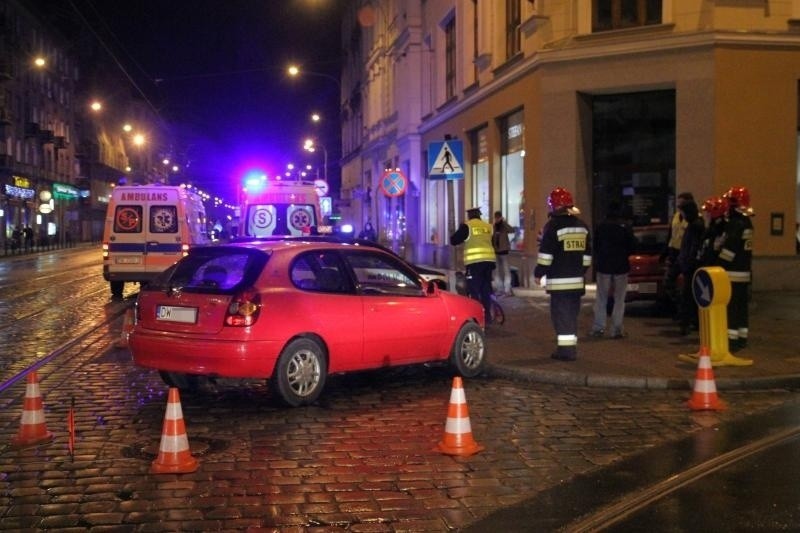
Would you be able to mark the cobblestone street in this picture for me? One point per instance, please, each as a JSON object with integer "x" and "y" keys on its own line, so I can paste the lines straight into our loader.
{"x": 361, "y": 460}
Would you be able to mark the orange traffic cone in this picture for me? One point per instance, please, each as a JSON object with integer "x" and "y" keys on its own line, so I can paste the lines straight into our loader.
{"x": 458, "y": 431}
{"x": 127, "y": 327}
{"x": 174, "y": 455}
{"x": 704, "y": 397}
{"x": 33, "y": 429}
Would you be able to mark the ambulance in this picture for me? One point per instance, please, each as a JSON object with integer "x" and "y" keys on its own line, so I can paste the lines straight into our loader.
{"x": 277, "y": 208}
{"x": 147, "y": 229}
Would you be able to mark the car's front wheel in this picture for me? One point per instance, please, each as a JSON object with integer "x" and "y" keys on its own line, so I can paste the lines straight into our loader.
{"x": 300, "y": 374}
{"x": 469, "y": 351}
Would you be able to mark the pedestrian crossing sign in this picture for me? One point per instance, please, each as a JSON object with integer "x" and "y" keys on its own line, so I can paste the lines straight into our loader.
{"x": 445, "y": 160}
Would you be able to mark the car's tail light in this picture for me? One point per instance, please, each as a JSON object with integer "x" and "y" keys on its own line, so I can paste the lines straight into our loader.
{"x": 105, "y": 250}
{"x": 184, "y": 250}
{"x": 243, "y": 309}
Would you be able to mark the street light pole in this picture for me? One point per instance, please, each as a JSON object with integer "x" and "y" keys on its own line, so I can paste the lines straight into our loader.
{"x": 310, "y": 146}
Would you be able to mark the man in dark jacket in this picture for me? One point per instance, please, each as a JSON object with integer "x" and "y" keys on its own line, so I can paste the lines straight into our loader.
{"x": 613, "y": 243}
{"x": 564, "y": 255}
{"x": 688, "y": 263}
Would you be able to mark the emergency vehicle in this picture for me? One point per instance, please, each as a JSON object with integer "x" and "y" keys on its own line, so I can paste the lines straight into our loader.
{"x": 273, "y": 208}
{"x": 147, "y": 229}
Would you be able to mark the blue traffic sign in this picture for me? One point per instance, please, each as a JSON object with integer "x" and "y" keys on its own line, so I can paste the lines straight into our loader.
{"x": 446, "y": 160}
{"x": 703, "y": 288}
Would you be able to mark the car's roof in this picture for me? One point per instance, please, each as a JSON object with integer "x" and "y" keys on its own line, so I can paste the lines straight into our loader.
{"x": 298, "y": 243}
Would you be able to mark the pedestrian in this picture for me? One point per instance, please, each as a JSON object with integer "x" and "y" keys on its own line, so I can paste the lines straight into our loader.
{"x": 736, "y": 256}
{"x": 564, "y": 256}
{"x": 673, "y": 246}
{"x": 612, "y": 243}
{"x": 368, "y": 233}
{"x": 502, "y": 246}
{"x": 687, "y": 264}
{"x": 27, "y": 233}
{"x": 16, "y": 238}
{"x": 479, "y": 258}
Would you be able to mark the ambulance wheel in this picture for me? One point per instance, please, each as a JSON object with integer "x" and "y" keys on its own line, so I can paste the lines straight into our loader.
{"x": 117, "y": 288}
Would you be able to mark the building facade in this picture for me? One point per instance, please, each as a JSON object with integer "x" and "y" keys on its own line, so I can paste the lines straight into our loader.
{"x": 634, "y": 101}
{"x": 70, "y": 128}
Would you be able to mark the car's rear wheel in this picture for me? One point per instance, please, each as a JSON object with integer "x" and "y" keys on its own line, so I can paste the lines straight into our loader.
{"x": 469, "y": 351}
{"x": 300, "y": 374}
{"x": 184, "y": 382}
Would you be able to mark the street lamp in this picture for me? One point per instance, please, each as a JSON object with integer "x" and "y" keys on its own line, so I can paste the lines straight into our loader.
{"x": 294, "y": 71}
{"x": 310, "y": 146}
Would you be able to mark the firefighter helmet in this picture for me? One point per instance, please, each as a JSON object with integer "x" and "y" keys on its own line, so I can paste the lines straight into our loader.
{"x": 716, "y": 206}
{"x": 559, "y": 198}
{"x": 738, "y": 197}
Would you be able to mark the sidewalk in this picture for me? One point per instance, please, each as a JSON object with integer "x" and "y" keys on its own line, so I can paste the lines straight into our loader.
{"x": 648, "y": 356}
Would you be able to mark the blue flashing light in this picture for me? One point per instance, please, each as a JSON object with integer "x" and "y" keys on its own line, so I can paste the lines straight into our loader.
{"x": 255, "y": 181}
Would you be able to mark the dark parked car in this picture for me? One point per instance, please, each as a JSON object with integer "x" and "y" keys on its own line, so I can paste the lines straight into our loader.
{"x": 646, "y": 278}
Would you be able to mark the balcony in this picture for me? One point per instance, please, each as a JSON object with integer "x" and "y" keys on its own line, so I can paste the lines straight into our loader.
{"x": 31, "y": 129}
{"x": 46, "y": 136}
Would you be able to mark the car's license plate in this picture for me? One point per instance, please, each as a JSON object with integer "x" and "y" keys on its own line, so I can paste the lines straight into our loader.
{"x": 171, "y": 313}
{"x": 127, "y": 260}
{"x": 647, "y": 288}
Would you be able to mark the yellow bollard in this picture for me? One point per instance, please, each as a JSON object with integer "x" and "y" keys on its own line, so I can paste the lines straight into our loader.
{"x": 712, "y": 292}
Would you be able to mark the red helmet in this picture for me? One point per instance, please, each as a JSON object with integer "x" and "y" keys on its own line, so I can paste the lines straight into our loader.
{"x": 559, "y": 198}
{"x": 716, "y": 206}
{"x": 738, "y": 197}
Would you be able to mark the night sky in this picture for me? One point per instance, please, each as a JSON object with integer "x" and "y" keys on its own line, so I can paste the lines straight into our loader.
{"x": 218, "y": 68}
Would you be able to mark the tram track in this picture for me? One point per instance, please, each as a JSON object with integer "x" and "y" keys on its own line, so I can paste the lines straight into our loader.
{"x": 20, "y": 373}
{"x": 616, "y": 512}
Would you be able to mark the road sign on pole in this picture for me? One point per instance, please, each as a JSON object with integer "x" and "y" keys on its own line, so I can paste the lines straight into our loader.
{"x": 446, "y": 160}
{"x": 393, "y": 183}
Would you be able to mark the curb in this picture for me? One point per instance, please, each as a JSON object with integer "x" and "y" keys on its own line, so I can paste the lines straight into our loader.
{"x": 791, "y": 381}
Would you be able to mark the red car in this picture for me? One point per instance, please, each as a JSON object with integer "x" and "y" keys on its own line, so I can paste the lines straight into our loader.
{"x": 646, "y": 278}
{"x": 295, "y": 311}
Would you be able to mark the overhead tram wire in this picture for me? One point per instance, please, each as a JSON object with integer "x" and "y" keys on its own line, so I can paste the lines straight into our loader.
{"x": 118, "y": 63}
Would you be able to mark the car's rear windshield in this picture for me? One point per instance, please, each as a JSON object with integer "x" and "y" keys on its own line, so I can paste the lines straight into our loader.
{"x": 650, "y": 240}
{"x": 215, "y": 269}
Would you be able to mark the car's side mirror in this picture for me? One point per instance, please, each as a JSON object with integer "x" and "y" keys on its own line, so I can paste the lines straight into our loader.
{"x": 431, "y": 288}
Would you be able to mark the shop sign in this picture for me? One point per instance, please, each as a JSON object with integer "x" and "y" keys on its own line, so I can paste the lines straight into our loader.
{"x": 62, "y": 191}
{"x": 19, "y": 181}
{"x": 19, "y": 192}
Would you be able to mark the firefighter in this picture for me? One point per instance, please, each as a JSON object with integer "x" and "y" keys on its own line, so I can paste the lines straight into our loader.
{"x": 564, "y": 255}
{"x": 715, "y": 208}
{"x": 735, "y": 256}
{"x": 479, "y": 258}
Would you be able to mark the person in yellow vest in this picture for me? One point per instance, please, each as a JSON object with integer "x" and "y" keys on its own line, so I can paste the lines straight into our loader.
{"x": 673, "y": 247}
{"x": 479, "y": 257}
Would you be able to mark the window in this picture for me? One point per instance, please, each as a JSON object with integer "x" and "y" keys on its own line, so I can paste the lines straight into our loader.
{"x": 379, "y": 274}
{"x": 513, "y": 20}
{"x": 128, "y": 219}
{"x": 164, "y": 219}
{"x": 618, "y": 14}
{"x": 450, "y": 58}
{"x": 512, "y": 178}
{"x": 320, "y": 272}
